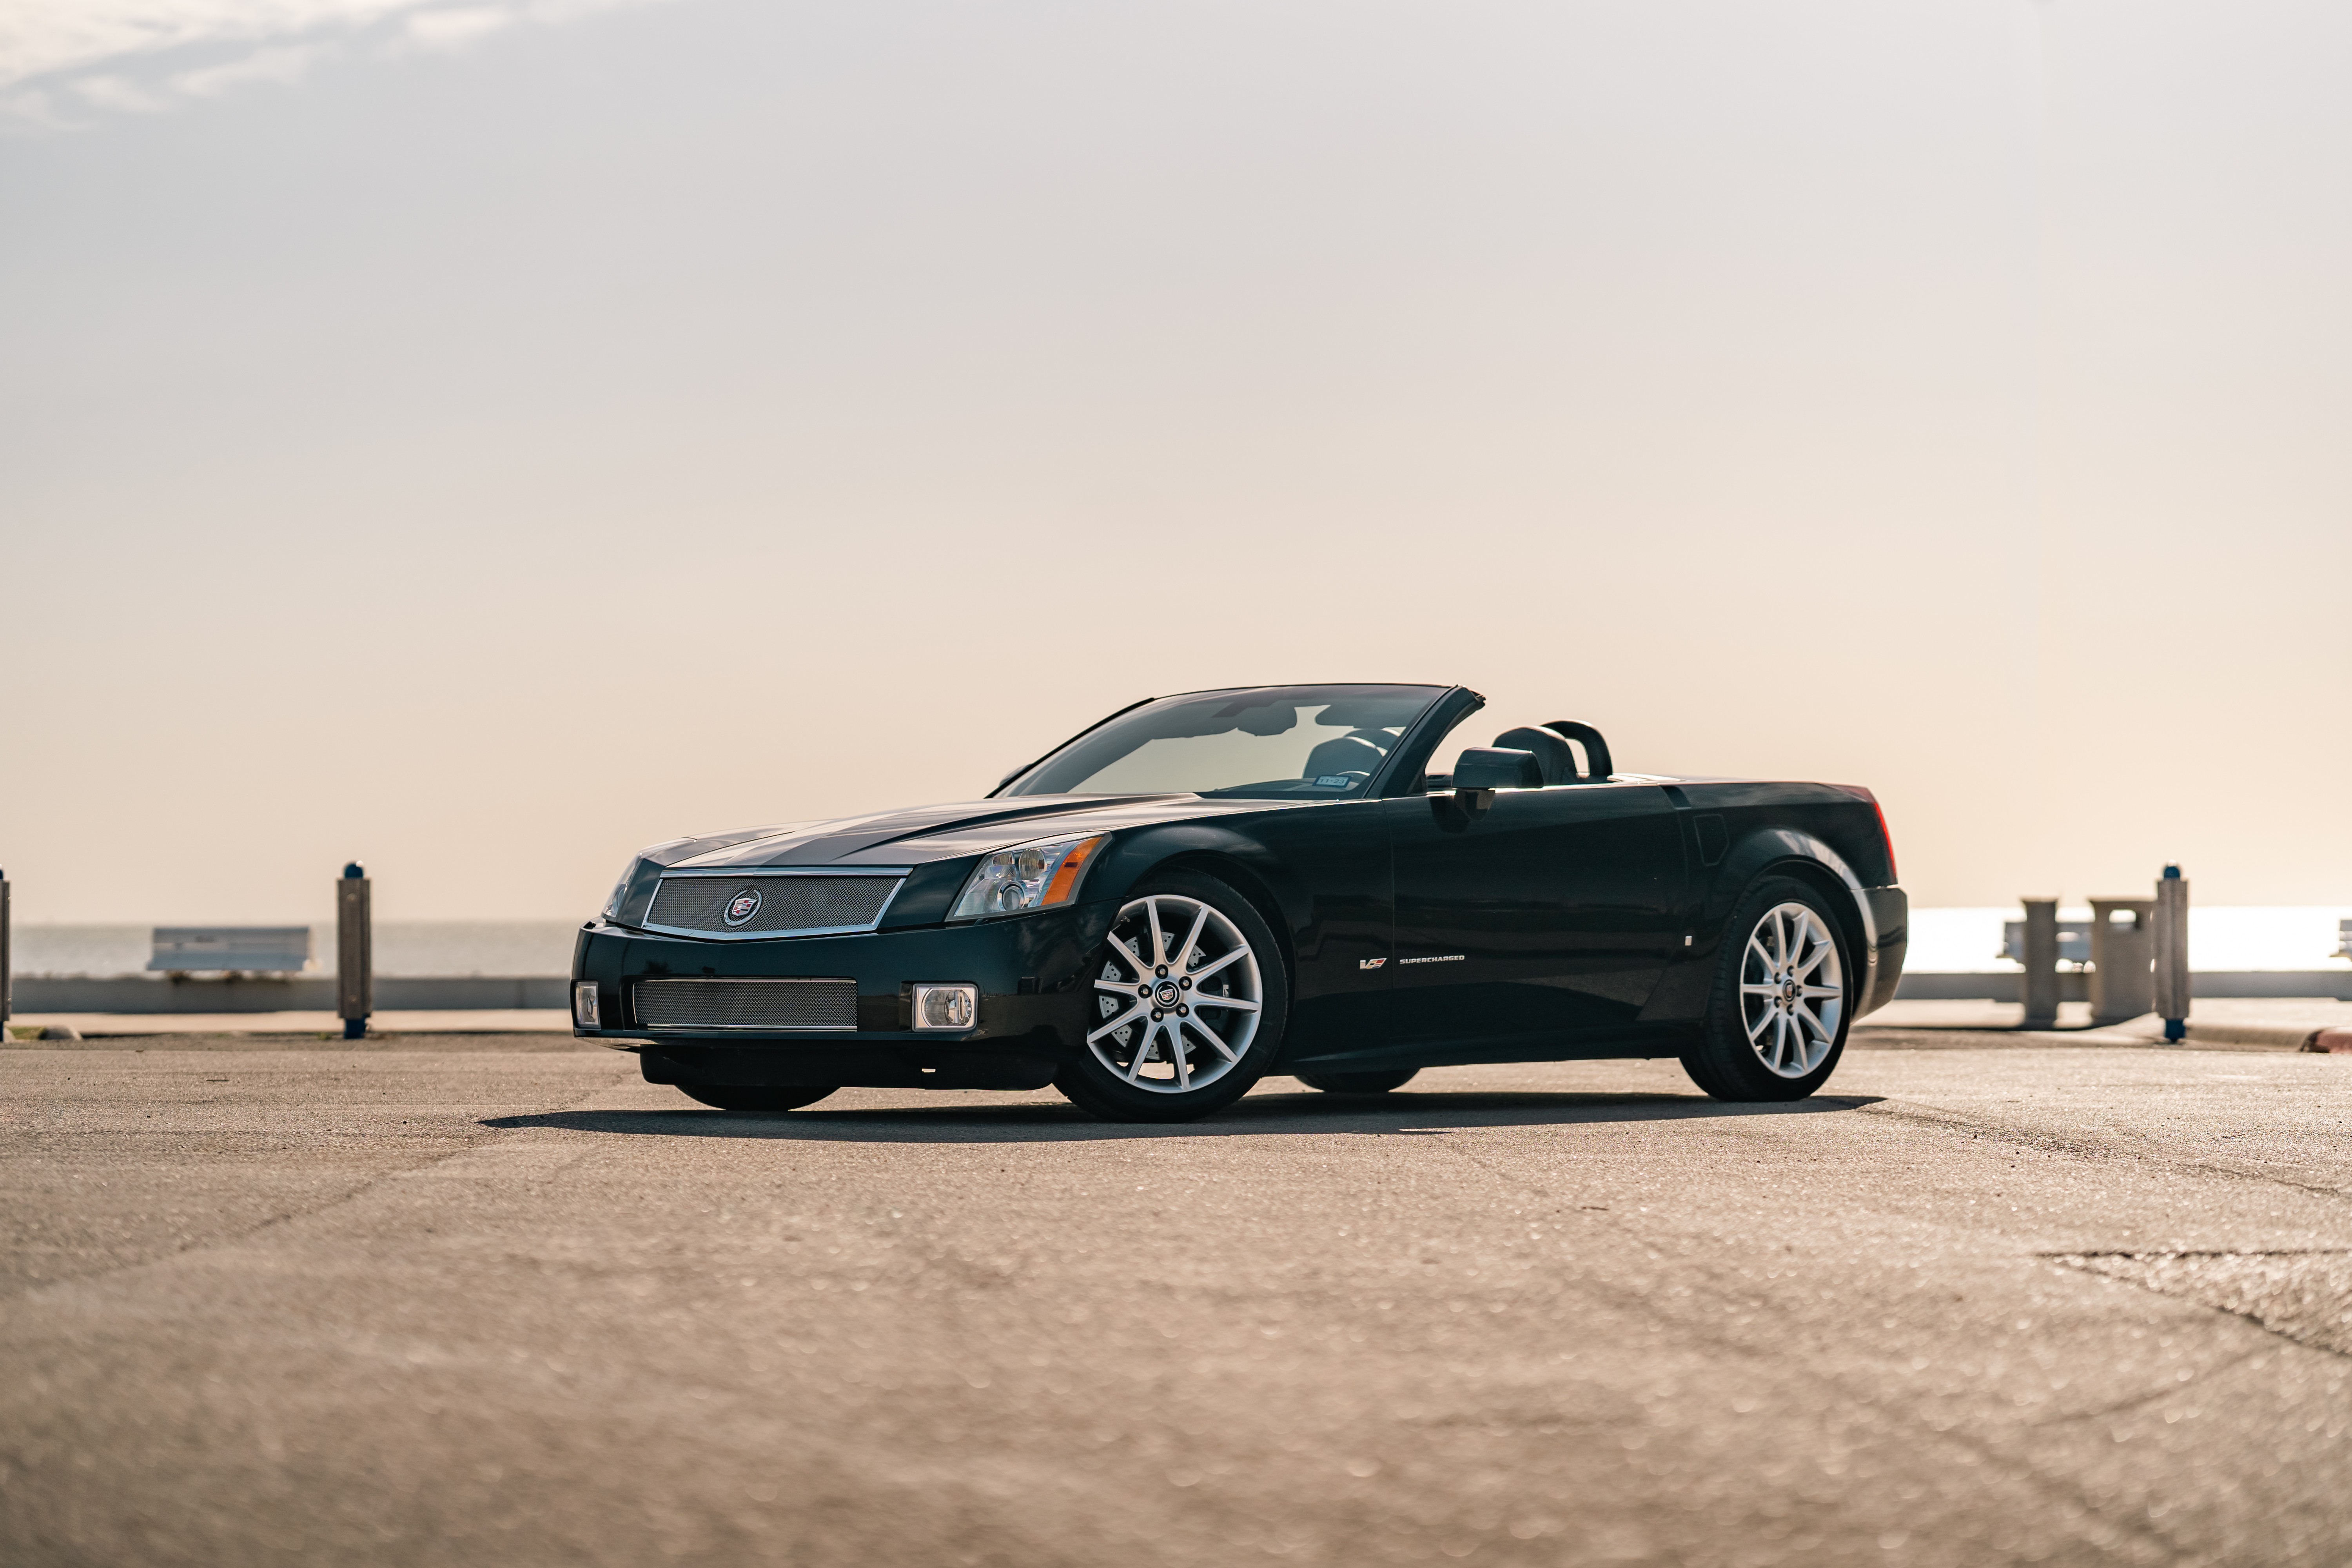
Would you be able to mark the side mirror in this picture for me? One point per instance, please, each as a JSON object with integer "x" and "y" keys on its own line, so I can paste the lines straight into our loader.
{"x": 1483, "y": 770}
{"x": 1490, "y": 768}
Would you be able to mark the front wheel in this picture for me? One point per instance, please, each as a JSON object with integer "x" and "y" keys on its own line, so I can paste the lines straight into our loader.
{"x": 1189, "y": 1001}
{"x": 1777, "y": 1023}
{"x": 738, "y": 1097}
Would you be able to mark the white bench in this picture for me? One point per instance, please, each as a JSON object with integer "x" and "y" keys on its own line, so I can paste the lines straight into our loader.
{"x": 2073, "y": 942}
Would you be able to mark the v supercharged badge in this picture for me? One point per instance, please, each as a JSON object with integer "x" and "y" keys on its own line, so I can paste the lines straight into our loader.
{"x": 742, "y": 907}
{"x": 1370, "y": 963}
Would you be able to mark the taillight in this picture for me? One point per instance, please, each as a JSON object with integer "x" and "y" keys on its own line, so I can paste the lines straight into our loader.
{"x": 1884, "y": 838}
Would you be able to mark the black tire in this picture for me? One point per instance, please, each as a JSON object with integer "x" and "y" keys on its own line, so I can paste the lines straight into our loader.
{"x": 1724, "y": 1063}
{"x": 1097, "y": 1088}
{"x": 739, "y": 1097}
{"x": 1359, "y": 1082}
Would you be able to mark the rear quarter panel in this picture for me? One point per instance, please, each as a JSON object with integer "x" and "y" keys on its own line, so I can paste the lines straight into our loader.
{"x": 1753, "y": 826}
{"x": 1846, "y": 823}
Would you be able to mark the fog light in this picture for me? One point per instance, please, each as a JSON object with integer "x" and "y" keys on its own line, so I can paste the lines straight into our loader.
{"x": 946, "y": 1006}
{"x": 583, "y": 1004}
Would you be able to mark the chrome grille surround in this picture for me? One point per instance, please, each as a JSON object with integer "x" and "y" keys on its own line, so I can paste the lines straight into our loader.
{"x": 793, "y": 901}
{"x": 794, "y": 1003}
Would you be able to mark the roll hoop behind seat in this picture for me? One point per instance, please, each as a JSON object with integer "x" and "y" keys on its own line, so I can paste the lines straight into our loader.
{"x": 1596, "y": 750}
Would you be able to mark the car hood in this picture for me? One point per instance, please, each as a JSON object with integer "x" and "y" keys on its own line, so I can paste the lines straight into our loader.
{"x": 917, "y": 834}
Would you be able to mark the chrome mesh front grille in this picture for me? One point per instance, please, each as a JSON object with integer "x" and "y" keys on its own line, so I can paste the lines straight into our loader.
{"x": 747, "y": 1003}
{"x": 786, "y": 904}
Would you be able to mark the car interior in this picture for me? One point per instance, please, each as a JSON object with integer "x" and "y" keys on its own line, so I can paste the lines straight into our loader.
{"x": 1356, "y": 753}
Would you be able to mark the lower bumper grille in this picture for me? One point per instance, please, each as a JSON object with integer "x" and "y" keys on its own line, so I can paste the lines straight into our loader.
{"x": 747, "y": 1003}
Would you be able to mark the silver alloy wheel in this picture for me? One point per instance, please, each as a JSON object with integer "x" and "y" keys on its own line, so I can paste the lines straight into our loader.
{"x": 1156, "y": 986}
{"x": 1792, "y": 991}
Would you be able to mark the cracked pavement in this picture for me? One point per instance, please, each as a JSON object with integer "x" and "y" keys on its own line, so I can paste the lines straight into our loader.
{"x": 1981, "y": 1304}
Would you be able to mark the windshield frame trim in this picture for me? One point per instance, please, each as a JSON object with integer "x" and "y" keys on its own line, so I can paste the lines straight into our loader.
{"x": 1439, "y": 720}
{"x": 1017, "y": 774}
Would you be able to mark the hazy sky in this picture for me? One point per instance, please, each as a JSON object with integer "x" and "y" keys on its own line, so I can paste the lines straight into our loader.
{"x": 481, "y": 439}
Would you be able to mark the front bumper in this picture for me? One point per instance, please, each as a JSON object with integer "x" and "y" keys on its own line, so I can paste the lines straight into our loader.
{"x": 1034, "y": 1001}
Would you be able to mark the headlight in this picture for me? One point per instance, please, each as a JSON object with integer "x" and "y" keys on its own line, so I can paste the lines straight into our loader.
{"x": 1033, "y": 876}
{"x": 620, "y": 890}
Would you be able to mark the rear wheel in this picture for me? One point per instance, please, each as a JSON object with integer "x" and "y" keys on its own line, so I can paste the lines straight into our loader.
{"x": 1777, "y": 1023}
{"x": 1190, "y": 998}
{"x": 738, "y": 1097}
{"x": 1358, "y": 1082}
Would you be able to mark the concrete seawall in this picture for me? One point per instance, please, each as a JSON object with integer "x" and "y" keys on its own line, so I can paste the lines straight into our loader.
{"x": 306, "y": 994}
{"x": 2072, "y": 985}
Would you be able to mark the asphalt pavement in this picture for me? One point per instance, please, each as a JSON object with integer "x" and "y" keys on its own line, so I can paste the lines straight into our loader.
{"x": 1989, "y": 1302}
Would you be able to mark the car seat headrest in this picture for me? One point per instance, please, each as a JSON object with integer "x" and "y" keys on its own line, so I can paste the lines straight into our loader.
{"x": 1556, "y": 756}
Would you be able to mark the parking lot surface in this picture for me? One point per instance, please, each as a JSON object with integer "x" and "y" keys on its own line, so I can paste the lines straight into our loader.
{"x": 1981, "y": 1304}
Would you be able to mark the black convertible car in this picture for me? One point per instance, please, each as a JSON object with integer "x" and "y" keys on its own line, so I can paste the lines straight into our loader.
{"x": 1205, "y": 889}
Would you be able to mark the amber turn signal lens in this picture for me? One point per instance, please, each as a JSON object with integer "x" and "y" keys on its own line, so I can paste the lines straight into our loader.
{"x": 1064, "y": 884}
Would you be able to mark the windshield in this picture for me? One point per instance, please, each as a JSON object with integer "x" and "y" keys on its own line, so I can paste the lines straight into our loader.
{"x": 1321, "y": 743}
